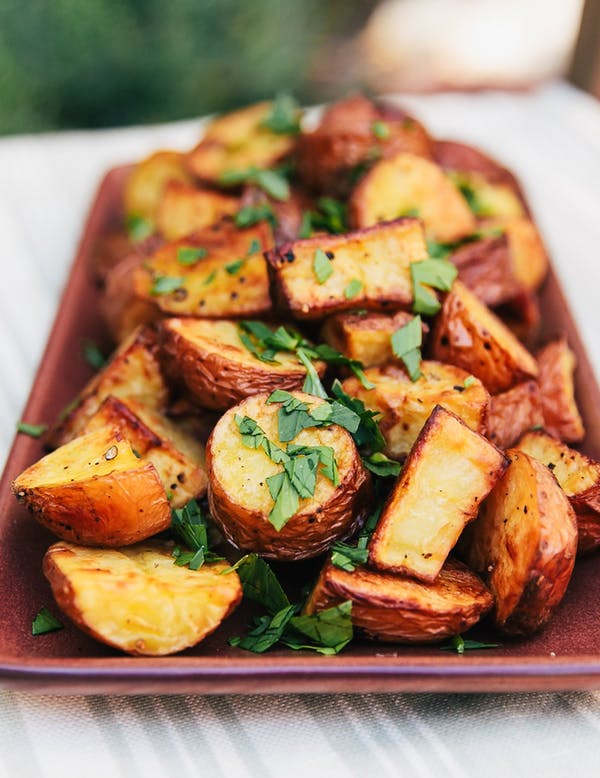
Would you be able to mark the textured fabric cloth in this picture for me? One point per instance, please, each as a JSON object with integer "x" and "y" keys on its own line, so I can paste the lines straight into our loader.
{"x": 551, "y": 137}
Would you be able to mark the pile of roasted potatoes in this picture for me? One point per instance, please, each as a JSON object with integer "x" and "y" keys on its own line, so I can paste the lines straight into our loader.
{"x": 323, "y": 349}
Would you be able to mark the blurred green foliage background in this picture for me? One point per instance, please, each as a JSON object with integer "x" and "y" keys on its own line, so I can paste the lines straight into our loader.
{"x": 96, "y": 63}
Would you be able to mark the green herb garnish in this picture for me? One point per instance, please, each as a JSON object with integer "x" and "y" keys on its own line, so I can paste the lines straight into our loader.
{"x": 253, "y": 248}
{"x": 234, "y": 267}
{"x": 460, "y": 645}
{"x": 436, "y": 273}
{"x": 138, "y": 227}
{"x": 322, "y": 266}
{"x": 93, "y": 356}
{"x": 260, "y": 583}
{"x": 284, "y": 117}
{"x": 33, "y": 430}
{"x": 166, "y": 284}
{"x": 189, "y": 525}
{"x": 380, "y": 130}
{"x": 252, "y": 214}
{"x": 272, "y": 182}
{"x": 469, "y": 381}
{"x": 382, "y": 465}
{"x": 45, "y": 622}
{"x": 210, "y": 278}
{"x": 353, "y": 288}
{"x": 406, "y": 345}
{"x": 189, "y": 255}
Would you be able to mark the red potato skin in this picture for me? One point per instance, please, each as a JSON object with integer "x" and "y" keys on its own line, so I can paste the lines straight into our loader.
{"x": 561, "y": 415}
{"x": 514, "y": 412}
{"x": 485, "y": 267}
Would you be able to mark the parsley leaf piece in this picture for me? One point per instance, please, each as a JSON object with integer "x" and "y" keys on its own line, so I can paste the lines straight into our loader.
{"x": 33, "y": 430}
{"x": 382, "y": 465}
{"x": 253, "y": 248}
{"x": 322, "y": 266}
{"x": 189, "y": 255}
{"x": 260, "y": 583}
{"x": 266, "y": 632}
{"x": 166, "y": 284}
{"x": 330, "y": 216}
{"x": 353, "y": 288}
{"x": 305, "y": 230}
{"x": 138, "y": 227}
{"x": 335, "y": 413}
{"x": 320, "y": 454}
{"x": 252, "y": 214}
{"x": 292, "y": 416}
{"x": 368, "y": 436}
{"x": 286, "y": 499}
{"x": 439, "y": 250}
{"x": 380, "y": 130}
{"x": 45, "y": 622}
{"x": 272, "y": 182}
{"x": 460, "y": 645}
{"x": 330, "y": 628}
{"x": 414, "y": 213}
{"x": 284, "y": 117}
{"x": 92, "y": 355}
{"x": 190, "y": 526}
{"x": 210, "y": 278}
{"x": 406, "y": 345}
{"x": 436, "y": 273}
{"x": 234, "y": 267}
{"x": 469, "y": 381}
{"x": 312, "y": 384}
{"x": 347, "y": 557}
{"x": 255, "y": 350}
{"x": 328, "y": 354}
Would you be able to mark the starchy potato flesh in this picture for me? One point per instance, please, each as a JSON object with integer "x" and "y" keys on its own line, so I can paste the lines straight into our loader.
{"x": 579, "y": 478}
{"x": 95, "y": 491}
{"x": 404, "y": 183}
{"x": 398, "y": 609}
{"x": 524, "y": 543}
{"x": 449, "y": 472}
{"x": 556, "y": 364}
{"x": 132, "y": 371}
{"x": 218, "y": 370}
{"x": 184, "y": 209}
{"x": 467, "y": 334}
{"x": 489, "y": 199}
{"x": 147, "y": 181}
{"x": 239, "y": 497}
{"x": 378, "y": 259}
{"x": 527, "y": 251}
{"x": 136, "y": 599}
{"x": 406, "y": 405}
{"x": 514, "y": 412}
{"x": 238, "y": 141}
{"x": 177, "y": 456}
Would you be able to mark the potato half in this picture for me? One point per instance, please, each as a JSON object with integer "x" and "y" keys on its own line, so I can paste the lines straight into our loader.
{"x": 147, "y": 181}
{"x": 449, "y": 472}
{"x": 524, "y": 543}
{"x": 406, "y": 405}
{"x": 557, "y": 364}
{"x": 136, "y": 599}
{"x": 95, "y": 491}
{"x": 239, "y": 497}
{"x": 184, "y": 209}
{"x": 514, "y": 412}
{"x": 216, "y": 367}
{"x": 396, "y": 609}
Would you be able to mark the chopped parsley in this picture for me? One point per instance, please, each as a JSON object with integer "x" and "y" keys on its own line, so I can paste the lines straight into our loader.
{"x": 406, "y": 345}
{"x": 272, "y": 182}
{"x": 347, "y": 557}
{"x": 381, "y": 465}
{"x": 33, "y": 430}
{"x": 234, "y": 267}
{"x": 284, "y": 116}
{"x": 138, "y": 227}
{"x": 469, "y": 381}
{"x": 166, "y": 284}
{"x": 353, "y": 288}
{"x": 45, "y": 622}
{"x": 92, "y": 355}
{"x": 252, "y": 214}
{"x": 436, "y": 273}
{"x": 189, "y": 255}
{"x": 380, "y": 130}
{"x": 330, "y": 215}
{"x": 460, "y": 645}
{"x": 254, "y": 247}
{"x": 209, "y": 278}
{"x": 322, "y": 266}
{"x": 188, "y": 524}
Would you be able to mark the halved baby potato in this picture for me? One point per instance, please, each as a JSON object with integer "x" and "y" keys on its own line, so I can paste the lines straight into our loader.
{"x": 524, "y": 543}
{"x": 95, "y": 491}
{"x": 184, "y": 209}
{"x": 218, "y": 370}
{"x": 239, "y": 497}
{"x": 397, "y": 609}
{"x": 406, "y": 405}
{"x": 136, "y": 599}
{"x": 450, "y": 470}
{"x": 556, "y": 364}
{"x": 514, "y": 412}
{"x": 147, "y": 181}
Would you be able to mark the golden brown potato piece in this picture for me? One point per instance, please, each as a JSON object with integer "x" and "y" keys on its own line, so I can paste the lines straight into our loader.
{"x": 486, "y": 199}
{"x": 514, "y": 412}
{"x": 396, "y": 609}
{"x": 579, "y": 478}
{"x": 218, "y": 370}
{"x": 365, "y": 336}
{"x": 237, "y": 141}
{"x": 136, "y": 599}
{"x": 529, "y": 260}
{"x": 449, "y": 472}
{"x": 467, "y": 334}
{"x": 133, "y": 371}
{"x": 557, "y": 364}
{"x": 177, "y": 456}
{"x": 95, "y": 491}
{"x": 522, "y": 316}
{"x": 147, "y": 181}
{"x": 367, "y": 269}
{"x": 184, "y": 209}
{"x": 404, "y": 184}
{"x": 405, "y": 405}
{"x": 524, "y": 544}
{"x": 239, "y": 496}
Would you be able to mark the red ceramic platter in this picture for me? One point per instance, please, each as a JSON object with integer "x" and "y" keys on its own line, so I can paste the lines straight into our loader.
{"x": 566, "y": 655}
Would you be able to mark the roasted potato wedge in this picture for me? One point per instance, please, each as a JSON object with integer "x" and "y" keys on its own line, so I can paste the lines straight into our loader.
{"x": 529, "y": 260}
{"x": 557, "y": 364}
{"x": 133, "y": 371}
{"x": 514, "y": 412}
{"x": 369, "y": 269}
{"x": 450, "y": 470}
{"x": 94, "y": 490}
{"x": 218, "y": 370}
{"x": 524, "y": 543}
{"x": 467, "y": 334}
{"x": 136, "y": 599}
{"x": 405, "y": 183}
{"x": 237, "y": 141}
{"x": 486, "y": 199}
{"x": 240, "y": 500}
{"x": 177, "y": 456}
{"x": 579, "y": 478}
{"x": 485, "y": 267}
{"x": 147, "y": 181}
{"x": 184, "y": 209}
{"x": 406, "y": 405}
{"x": 397, "y": 609}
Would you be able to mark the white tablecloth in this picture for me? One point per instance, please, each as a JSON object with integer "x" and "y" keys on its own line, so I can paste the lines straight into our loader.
{"x": 551, "y": 137}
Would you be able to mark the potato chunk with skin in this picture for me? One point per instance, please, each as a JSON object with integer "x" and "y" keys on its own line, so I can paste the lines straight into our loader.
{"x": 579, "y": 478}
{"x": 449, "y": 472}
{"x": 467, "y": 334}
{"x": 239, "y": 496}
{"x": 524, "y": 543}
{"x": 147, "y": 181}
{"x": 405, "y": 183}
{"x": 136, "y": 599}
{"x": 369, "y": 269}
{"x": 514, "y": 412}
{"x": 218, "y": 370}
{"x": 184, "y": 209}
{"x": 406, "y": 405}
{"x": 556, "y": 364}
{"x": 95, "y": 491}
{"x": 176, "y": 455}
{"x": 397, "y": 609}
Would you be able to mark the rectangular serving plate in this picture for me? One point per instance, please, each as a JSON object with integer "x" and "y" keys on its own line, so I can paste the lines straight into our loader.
{"x": 566, "y": 655}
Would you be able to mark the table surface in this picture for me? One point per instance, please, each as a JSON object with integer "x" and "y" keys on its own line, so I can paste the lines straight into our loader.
{"x": 551, "y": 137}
